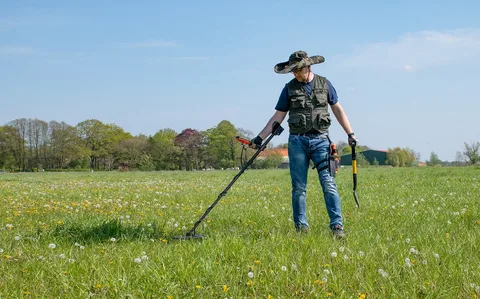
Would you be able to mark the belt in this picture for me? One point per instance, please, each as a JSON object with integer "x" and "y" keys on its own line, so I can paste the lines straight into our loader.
{"x": 311, "y": 135}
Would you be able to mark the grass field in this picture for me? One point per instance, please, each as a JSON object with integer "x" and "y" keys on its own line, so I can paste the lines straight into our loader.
{"x": 110, "y": 235}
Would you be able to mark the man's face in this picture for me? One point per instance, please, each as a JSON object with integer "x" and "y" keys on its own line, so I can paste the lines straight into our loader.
{"x": 302, "y": 74}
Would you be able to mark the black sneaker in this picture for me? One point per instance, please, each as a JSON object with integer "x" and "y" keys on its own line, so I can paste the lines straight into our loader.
{"x": 338, "y": 232}
{"x": 302, "y": 229}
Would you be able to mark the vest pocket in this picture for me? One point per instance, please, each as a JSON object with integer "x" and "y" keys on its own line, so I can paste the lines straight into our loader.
{"x": 297, "y": 121}
{"x": 324, "y": 120}
{"x": 298, "y": 102}
{"x": 320, "y": 97}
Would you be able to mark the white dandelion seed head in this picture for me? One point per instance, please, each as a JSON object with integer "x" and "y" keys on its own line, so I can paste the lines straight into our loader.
{"x": 408, "y": 263}
{"x": 71, "y": 261}
{"x": 1, "y": 250}
{"x": 334, "y": 254}
{"x": 250, "y": 274}
{"x": 82, "y": 247}
{"x": 383, "y": 273}
{"x": 62, "y": 256}
{"x": 17, "y": 238}
{"x": 326, "y": 271}
{"x": 345, "y": 257}
{"x": 144, "y": 257}
{"x": 77, "y": 244}
{"x": 52, "y": 246}
{"x": 137, "y": 260}
{"x": 113, "y": 239}
{"x": 294, "y": 266}
{"x": 436, "y": 255}
{"x": 407, "y": 240}
{"x": 284, "y": 268}
{"x": 361, "y": 253}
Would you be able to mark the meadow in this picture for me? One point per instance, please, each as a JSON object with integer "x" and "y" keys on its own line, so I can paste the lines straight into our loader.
{"x": 111, "y": 235}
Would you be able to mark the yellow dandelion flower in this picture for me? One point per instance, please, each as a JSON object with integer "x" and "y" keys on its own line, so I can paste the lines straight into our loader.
{"x": 225, "y": 288}
{"x": 169, "y": 297}
{"x": 447, "y": 235}
{"x": 270, "y": 296}
{"x": 98, "y": 286}
{"x": 319, "y": 282}
{"x": 329, "y": 294}
{"x": 257, "y": 262}
{"x": 478, "y": 222}
{"x": 362, "y": 296}
{"x": 249, "y": 283}
{"x": 164, "y": 240}
{"x": 59, "y": 222}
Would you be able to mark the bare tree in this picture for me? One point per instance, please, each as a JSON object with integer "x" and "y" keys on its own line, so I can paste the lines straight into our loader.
{"x": 472, "y": 152}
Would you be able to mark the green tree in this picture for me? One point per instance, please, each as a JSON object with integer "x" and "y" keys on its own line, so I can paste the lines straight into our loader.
{"x": 7, "y": 159}
{"x": 222, "y": 148}
{"x": 434, "y": 160}
{"x": 164, "y": 152}
{"x": 402, "y": 157}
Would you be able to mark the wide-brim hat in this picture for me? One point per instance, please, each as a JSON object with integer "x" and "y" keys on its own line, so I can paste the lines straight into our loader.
{"x": 297, "y": 60}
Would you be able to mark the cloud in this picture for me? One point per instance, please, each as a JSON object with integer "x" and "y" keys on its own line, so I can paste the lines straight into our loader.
{"x": 151, "y": 44}
{"x": 419, "y": 50}
{"x": 16, "y": 50}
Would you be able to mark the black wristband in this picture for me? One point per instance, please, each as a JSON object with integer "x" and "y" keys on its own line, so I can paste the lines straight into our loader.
{"x": 350, "y": 135}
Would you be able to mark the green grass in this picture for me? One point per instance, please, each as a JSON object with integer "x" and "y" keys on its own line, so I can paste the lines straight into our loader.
{"x": 430, "y": 216}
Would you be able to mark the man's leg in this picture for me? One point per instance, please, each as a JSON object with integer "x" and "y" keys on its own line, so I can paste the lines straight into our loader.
{"x": 299, "y": 161}
{"x": 320, "y": 149}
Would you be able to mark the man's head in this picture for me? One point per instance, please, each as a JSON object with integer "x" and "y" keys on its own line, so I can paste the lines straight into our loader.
{"x": 302, "y": 74}
{"x": 298, "y": 60}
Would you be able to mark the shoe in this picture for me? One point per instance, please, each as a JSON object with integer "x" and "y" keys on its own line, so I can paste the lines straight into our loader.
{"x": 338, "y": 232}
{"x": 302, "y": 229}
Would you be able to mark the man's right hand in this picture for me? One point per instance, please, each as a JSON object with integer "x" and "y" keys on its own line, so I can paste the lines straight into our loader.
{"x": 256, "y": 142}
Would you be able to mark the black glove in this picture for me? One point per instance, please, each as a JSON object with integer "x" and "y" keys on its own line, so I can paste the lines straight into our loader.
{"x": 352, "y": 139}
{"x": 256, "y": 142}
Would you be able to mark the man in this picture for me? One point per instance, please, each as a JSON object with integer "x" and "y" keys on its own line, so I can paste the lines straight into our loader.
{"x": 306, "y": 98}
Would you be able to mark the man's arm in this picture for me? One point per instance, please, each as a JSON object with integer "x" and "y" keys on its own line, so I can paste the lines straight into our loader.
{"x": 277, "y": 116}
{"x": 342, "y": 119}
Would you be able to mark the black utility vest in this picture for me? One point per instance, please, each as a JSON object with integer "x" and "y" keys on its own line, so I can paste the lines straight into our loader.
{"x": 308, "y": 111}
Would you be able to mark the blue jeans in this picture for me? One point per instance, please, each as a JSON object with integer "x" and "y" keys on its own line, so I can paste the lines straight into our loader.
{"x": 300, "y": 150}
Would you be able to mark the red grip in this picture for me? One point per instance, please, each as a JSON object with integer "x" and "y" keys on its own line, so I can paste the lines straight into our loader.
{"x": 243, "y": 140}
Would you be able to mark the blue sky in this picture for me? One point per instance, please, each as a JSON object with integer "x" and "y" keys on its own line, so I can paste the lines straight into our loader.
{"x": 406, "y": 72}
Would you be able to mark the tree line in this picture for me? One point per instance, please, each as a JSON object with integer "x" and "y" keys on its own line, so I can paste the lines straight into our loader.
{"x": 32, "y": 145}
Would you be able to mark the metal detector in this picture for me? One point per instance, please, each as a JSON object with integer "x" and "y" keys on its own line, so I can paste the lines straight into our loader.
{"x": 276, "y": 130}
{"x": 354, "y": 170}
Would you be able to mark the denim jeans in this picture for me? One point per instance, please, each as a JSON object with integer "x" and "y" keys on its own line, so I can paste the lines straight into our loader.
{"x": 300, "y": 150}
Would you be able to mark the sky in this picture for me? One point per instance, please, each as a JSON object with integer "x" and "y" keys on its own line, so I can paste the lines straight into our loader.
{"x": 406, "y": 72}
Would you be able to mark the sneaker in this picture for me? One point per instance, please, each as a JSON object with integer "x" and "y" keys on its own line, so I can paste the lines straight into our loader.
{"x": 338, "y": 232}
{"x": 302, "y": 229}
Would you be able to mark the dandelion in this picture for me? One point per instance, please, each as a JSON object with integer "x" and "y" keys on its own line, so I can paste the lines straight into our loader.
{"x": 62, "y": 256}
{"x": 383, "y": 273}
{"x": 113, "y": 239}
{"x": 408, "y": 263}
{"x": 77, "y": 244}
{"x": 17, "y": 238}
{"x": 82, "y": 247}
{"x": 407, "y": 240}
{"x": 52, "y": 246}
{"x": 294, "y": 266}
{"x": 198, "y": 287}
{"x": 345, "y": 257}
{"x": 326, "y": 271}
{"x": 9, "y": 226}
{"x": 71, "y": 261}
{"x": 414, "y": 251}
{"x": 1, "y": 250}
{"x": 225, "y": 288}
{"x": 257, "y": 262}
{"x": 250, "y": 274}
{"x": 284, "y": 268}
{"x": 436, "y": 255}
{"x": 361, "y": 253}
{"x": 137, "y": 260}
{"x": 144, "y": 257}
{"x": 334, "y": 254}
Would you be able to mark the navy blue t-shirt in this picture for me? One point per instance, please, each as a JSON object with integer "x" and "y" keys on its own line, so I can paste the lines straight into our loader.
{"x": 283, "y": 103}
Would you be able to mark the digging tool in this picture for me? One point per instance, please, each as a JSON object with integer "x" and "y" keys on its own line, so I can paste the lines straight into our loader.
{"x": 354, "y": 170}
{"x": 276, "y": 130}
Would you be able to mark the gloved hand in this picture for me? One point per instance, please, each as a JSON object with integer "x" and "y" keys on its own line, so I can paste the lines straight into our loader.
{"x": 352, "y": 139}
{"x": 256, "y": 142}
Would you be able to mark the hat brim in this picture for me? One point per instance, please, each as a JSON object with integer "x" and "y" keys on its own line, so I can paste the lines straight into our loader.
{"x": 286, "y": 67}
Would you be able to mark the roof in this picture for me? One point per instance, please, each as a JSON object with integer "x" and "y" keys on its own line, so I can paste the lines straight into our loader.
{"x": 266, "y": 152}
